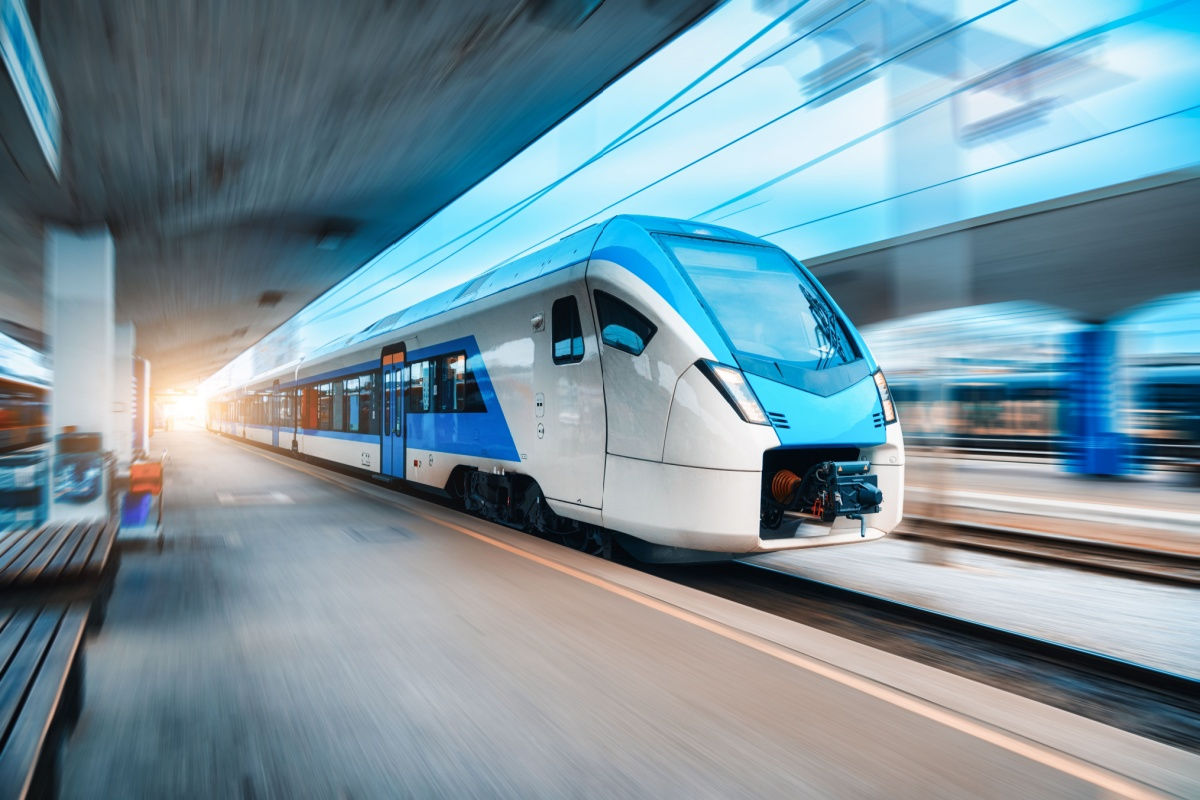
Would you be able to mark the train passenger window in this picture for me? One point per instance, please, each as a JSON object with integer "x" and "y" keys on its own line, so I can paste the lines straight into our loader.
{"x": 358, "y": 404}
{"x": 457, "y": 388}
{"x": 368, "y": 414}
{"x": 621, "y": 326}
{"x": 285, "y": 408}
{"x": 339, "y": 406}
{"x": 566, "y": 330}
{"x": 442, "y": 385}
{"x": 351, "y": 404}
{"x": 420, "y": 391}
{"x": 449, "y": 372}
{"x": 472, "y": 400}
{"x": 325, "y": 407}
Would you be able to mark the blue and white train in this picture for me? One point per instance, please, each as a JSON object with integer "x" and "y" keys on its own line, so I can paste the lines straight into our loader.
{"x": 687, "y": 387}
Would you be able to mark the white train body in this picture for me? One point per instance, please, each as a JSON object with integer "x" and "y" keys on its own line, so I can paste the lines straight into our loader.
{"x": 646, "y": 425}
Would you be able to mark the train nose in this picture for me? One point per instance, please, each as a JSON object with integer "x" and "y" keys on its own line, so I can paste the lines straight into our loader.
{"x": 850, "y": 416}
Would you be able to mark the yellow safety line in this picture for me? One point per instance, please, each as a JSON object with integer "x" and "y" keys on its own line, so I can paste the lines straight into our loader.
{"x": 1042, "y": 754}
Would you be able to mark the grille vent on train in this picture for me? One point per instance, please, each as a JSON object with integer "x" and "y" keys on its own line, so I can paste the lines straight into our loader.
{"x": 877, "y": 418}
{"x": 778, "y": 420}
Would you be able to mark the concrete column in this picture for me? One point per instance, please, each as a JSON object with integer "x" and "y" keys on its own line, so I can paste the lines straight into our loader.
{"x": 80, "y": 272}
{"x": 124, "y": 341}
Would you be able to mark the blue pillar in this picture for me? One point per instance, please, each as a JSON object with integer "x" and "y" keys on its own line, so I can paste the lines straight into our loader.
{"x": 1094, "y": 442}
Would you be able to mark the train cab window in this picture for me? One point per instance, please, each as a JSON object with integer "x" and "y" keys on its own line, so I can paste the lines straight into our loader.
{"x": 621, "y": 326}
{"x": 567, "y": 331}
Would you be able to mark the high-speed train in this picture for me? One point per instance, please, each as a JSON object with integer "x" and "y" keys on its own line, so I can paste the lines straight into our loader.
{"x": 688, "y": 388}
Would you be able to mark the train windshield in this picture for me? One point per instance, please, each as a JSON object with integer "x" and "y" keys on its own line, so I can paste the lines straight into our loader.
{"x": 767, "y": 307}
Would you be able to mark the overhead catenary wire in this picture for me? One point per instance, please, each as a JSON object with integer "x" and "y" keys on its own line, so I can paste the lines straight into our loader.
{"x": 812, "y": 100}
{"x": 960, "y": 89}
{"x": 628, "y": 135}
{"x": 778, "y": 118}
{"x": 992, "y": 168}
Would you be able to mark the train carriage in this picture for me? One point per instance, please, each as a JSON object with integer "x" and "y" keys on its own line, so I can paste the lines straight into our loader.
{"x": 688, "y": 387}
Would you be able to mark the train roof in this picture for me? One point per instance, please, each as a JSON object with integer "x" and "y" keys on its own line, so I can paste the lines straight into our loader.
{"x": 566, "y": 252}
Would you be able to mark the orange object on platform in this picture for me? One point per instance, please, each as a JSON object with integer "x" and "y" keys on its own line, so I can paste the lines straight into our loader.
{"x": 146, "y": 476}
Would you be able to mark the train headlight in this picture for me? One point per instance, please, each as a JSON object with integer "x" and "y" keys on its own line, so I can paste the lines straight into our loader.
{"x": 885, "y": 397}
{"x": 732, "y": 384}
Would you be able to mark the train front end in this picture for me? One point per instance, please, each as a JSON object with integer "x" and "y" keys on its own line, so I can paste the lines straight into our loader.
{"x": 781, "y": 432}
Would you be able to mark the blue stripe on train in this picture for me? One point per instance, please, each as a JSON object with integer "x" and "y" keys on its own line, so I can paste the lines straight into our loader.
{"x": 368, "y": 438}
{"x": 483, "y": 434}
{"x": 356, "y": 369}
{"x": 486, "y": 434}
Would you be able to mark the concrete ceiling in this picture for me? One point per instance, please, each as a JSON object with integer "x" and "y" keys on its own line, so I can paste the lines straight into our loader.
{"x": 221, "y": 141}
{"x": 1094, "y": 254}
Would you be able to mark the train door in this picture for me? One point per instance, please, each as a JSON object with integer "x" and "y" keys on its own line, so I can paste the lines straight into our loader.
{"x": 637, "y": 385}
{"x": 568, "y": 406}
{"x": 273, "y": 409}
{"x": 391, "y": 429}
{"x": 306, "y": 415}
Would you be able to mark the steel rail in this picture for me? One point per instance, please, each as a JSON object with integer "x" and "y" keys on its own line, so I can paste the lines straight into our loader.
{"x": 1112, "y": 558}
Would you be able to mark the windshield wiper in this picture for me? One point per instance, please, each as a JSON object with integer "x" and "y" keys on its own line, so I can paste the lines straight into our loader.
{"x": 827, "y": 327}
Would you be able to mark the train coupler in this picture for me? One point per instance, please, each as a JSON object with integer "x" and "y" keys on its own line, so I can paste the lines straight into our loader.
{"x": 829, "y": 490}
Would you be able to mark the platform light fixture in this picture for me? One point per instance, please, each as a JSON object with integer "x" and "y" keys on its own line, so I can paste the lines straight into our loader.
{"x": 334, "y": 233}
{"x": 331, "y": 240}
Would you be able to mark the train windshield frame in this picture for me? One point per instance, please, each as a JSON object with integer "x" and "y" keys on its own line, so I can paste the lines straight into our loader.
{"x": 763, "y": 303}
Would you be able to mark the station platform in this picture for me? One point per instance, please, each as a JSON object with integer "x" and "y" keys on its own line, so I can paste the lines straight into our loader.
{"x": 306, "y": 634}
{"x": 1153, "y": 512}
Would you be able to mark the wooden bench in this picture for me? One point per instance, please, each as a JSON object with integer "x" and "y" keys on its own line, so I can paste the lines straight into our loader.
{"x": 55, "y": 581}
{"x": 56, "y": 553}
{"x": 41, "y": 693}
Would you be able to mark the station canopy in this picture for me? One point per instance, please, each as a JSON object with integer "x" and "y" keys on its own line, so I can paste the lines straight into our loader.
{"x": 248, "y": 156}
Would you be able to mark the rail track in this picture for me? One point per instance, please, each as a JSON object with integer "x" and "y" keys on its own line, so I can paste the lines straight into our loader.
{"x": 1108, "y": 557}
{"x": 1144, "y": 700}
